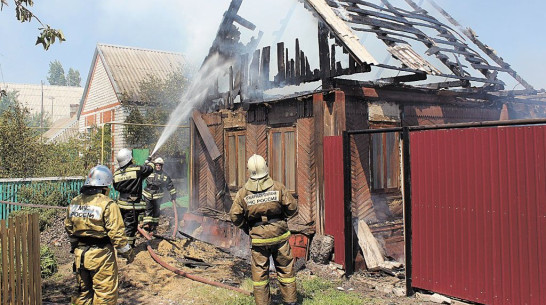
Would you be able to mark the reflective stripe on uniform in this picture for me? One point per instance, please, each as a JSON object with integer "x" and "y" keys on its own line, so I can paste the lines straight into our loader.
{"x": 262, "y": 241}
{"x": 287, "y": 280}
{"x": 173, "y": 191}
{"x": 129, "y": 205}
{"x": 148, "y": 195}
{"x": 128, "y": 174}
{"x": 260, "y": 283}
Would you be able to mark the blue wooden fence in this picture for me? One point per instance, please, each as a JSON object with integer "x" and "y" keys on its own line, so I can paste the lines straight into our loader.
{"x": 9, "y": 189}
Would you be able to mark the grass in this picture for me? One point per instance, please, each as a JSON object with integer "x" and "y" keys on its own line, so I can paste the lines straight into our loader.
{"x": 311, "y": 291}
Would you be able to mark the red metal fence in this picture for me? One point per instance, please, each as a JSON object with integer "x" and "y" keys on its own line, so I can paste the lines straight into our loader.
{"x": 334, "y": 211}
{"x": 479, "y": 213}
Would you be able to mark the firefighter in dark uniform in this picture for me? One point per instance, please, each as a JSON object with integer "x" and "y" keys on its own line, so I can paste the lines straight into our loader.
{"x": 95, "y": 228}
{"x": 261, "y": 208}
{"x": 128, "y": 180}
{"x": 156, "y": 183}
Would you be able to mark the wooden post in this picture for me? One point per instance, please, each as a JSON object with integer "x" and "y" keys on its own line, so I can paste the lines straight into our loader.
{"x": 324, "y": 55}
{"x": 4, "y": 236}
{"x": 281, "y": 67}
{"x": 264, "y": 71}
{"x": 298, "y": 59}
{"x": 318, "y": 115}
{"x": 255, "y": 71}
{"x": 244, "y": 77}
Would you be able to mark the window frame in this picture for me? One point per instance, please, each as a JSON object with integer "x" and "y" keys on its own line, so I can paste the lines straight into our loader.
{"x": 271, "y": 162}
{"x": 384, "y": 148}
{"x": 240, "y": 181}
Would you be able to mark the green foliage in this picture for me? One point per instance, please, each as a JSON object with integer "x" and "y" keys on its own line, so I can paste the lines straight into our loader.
{"x": 8, "y": 99}
{"x": 56, "y": 74}
{"x": 48, "y": 263}
{"x": 159, "y": 98}
{"x": 73, "y": 78}
{"x": 48, "y": 35}
{"x": 20, "y": 144}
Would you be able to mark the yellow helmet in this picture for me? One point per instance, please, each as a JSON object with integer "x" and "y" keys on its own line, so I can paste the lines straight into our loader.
{"x": 159, "y": 160}
{"x": 257, "y": 167}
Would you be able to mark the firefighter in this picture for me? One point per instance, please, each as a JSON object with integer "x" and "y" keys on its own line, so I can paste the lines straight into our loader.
{"x": 156, "y": 183}
{"x": 128, "y": 180}
{"x": 261, "y": 208}
{"x": 95, "y": 228}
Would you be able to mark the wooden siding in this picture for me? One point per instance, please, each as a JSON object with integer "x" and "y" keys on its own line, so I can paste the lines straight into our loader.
{"x": 306, "y": 179}
{"x": 211, "y": 173}
{"x": 100, "y": 92}
{"x": 361, "y": 204}
{"x": 256, "y": 139}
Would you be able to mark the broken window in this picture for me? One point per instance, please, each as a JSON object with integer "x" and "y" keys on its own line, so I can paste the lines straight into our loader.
{"x": 236, "y": 159}
{"x": 385, "y": 160}
{"x": 282, "y": 156}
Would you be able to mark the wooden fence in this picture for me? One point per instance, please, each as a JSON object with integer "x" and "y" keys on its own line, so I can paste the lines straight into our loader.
{"x": 20, "y": 281}
{"x": 9, "y": 190}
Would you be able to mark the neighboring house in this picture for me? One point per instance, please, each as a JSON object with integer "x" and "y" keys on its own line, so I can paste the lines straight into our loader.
{"x": 454, "y": 80}
{"x": 113, "y": 84}
{"x": 56, "y": 102}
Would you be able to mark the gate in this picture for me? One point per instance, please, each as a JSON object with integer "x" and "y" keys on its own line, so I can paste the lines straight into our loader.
{"x": 474, "y": 209}
{"x": 479, "y": 213}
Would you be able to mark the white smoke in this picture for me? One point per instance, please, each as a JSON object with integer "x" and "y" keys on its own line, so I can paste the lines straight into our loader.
{"x": 212, "y": 69}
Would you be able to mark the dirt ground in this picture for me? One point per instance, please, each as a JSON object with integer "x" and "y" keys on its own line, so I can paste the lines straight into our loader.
{"x": 146, "y": 282}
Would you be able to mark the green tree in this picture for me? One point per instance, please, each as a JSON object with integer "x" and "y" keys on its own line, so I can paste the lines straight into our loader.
{"x": 73, "y": 78}
{"x": 8, "y": 99}
{"x": 47, "y": 35}
{"x": 21, "y": 151}
{"x": 56, "y": 74}
{"x": 159, "y": 98}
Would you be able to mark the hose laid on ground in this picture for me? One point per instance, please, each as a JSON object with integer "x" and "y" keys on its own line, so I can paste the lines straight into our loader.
{"x": 183, "y": 273}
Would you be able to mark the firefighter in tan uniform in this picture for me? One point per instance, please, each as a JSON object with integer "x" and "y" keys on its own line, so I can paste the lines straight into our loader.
{"x": 261, "y": 208}
{"x": 128, "y": 180}
{"x": 95, "y": 227}
{"x": 156, "y": 183}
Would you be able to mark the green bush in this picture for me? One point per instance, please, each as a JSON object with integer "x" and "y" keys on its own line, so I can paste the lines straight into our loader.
{"x": 318, "y": 291}
{"x": 48, "y": 263}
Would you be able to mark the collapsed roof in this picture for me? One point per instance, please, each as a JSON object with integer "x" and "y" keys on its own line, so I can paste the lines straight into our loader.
{"x": 424, "y": 50}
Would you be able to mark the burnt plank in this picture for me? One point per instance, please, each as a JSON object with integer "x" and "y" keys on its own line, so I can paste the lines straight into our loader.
{"x": 264, "y": 70}
{"x": 244, "y": 77}
{"x": 243, "y": 22}
{"x": 298, "y": 59}
{"x": 324, "y": 56}
{"x": 302, "y": 65}
{"x": 255, "y": 70}
{"x": 333, "y": 57}
{"x": 281, "y": 66}
{"x": 206, "y": 135}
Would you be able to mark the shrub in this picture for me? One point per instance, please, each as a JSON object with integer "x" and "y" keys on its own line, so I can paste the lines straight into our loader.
{"x": 48, "y": 263}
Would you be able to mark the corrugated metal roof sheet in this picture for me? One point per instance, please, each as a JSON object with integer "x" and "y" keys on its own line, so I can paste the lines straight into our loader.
{"x": 58, "y": 97}
{"x": 127, "y": 66}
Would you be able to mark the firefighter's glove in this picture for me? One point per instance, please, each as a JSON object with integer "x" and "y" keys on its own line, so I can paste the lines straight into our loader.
{"x": 129, "y": 255}
{"x": 148, "y": 161}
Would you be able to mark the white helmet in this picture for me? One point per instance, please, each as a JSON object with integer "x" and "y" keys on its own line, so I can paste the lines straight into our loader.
{"x": 159, "y": 160}
{"x": 124, "y": 156}
{"x": 99, "y": 175}
{"x": 257, "y": 168}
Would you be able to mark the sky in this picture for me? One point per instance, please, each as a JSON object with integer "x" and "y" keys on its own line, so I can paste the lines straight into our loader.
{"x": 515, "y": 29}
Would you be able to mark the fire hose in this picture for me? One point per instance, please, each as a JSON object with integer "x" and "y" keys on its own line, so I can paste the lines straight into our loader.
{"x": 181, "y": 272}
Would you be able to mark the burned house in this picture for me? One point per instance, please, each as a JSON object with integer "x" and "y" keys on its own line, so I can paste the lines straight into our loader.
{"x": 456, "y": 79}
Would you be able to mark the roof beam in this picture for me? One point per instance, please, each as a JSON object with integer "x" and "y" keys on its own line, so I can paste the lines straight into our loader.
{"x": 485, "y": 48}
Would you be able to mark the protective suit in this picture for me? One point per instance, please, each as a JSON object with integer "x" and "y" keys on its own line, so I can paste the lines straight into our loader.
{"x": 128, "y": 182}
{"x": 261, "y": 208}
{"x": 95, "y": 227}
{"x": 156, "y": 184}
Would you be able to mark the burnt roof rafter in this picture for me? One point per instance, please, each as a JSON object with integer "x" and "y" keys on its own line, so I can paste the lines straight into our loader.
{"x": 485, "y": 48}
